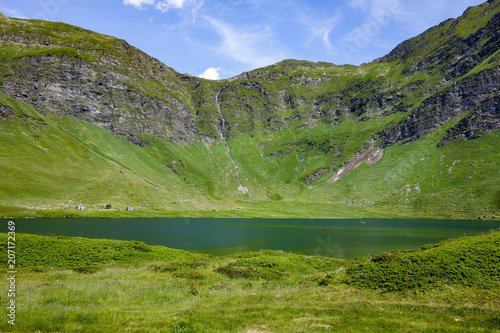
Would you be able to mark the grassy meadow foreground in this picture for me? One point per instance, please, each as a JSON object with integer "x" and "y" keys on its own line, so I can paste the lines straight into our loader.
{"x": 85, "y": 285}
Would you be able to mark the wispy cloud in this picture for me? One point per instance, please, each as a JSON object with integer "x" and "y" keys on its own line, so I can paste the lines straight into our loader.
{"x": 163, "y": 5}
{"x": 252, "y": 46}
{"x": 11, "y": 12}
{"x": 319, "y": 29}
{"x": 138, "y": 3}
{"x": 211, "y": 73}
{"x": 195, "y": 9}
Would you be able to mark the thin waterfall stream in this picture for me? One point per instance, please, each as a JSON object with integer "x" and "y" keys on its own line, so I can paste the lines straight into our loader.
{"x": 222, "y": 131}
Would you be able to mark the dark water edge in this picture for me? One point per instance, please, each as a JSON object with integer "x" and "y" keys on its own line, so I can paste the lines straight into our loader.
{"x": 221, "y": 236}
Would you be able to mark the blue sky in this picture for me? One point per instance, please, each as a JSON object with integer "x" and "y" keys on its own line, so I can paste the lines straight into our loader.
{"x": 222, "y": 38}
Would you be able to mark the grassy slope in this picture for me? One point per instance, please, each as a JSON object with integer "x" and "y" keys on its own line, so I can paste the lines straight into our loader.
{"x": 51, "y": 164}
{"x": 58, "y": 163}
{"x": 459, "y": 178}
{"x": 85, "y": 285}
{"x": 76, "y": 162}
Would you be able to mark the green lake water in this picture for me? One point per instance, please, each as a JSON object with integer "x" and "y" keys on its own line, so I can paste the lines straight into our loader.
{"x": 333, "y": 238}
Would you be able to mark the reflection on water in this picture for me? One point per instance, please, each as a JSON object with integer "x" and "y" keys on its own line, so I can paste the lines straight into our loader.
{"x": 333, "y": 238}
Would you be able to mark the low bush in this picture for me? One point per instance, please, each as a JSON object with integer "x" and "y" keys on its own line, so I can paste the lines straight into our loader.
{"x": 80, "y": 254}
{"x": 468, "y": 261}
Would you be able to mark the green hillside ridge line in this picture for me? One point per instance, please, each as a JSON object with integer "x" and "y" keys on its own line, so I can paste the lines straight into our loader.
{"x": 87, "y": 118}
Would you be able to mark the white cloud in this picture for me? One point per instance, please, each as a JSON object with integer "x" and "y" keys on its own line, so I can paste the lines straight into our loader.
{"x": 322, "y": 31}
{"x": 211, "y": 73}
{"x": 138, "y": 3}
{"x": 251, "y": 46}
{"x": 165, "y": 5}
{"x": 195, "y": 10}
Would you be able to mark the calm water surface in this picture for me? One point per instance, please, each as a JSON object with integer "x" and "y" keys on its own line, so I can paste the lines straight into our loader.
{"x": 334, "y": 238}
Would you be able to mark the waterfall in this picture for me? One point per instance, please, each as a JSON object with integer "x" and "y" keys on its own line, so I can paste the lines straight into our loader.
{"x": 222, "y": 131}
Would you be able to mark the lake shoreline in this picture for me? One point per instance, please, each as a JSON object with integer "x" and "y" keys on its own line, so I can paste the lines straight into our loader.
{"x": 340, "y": 238}
{"x": 263, "y": 210}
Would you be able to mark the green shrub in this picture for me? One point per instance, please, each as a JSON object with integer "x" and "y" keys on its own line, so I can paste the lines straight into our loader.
{"x": 468, "y": 261}
{"x": 252, "y": 273}
{"x": 80, "y": 254}
{"x": 140, "y": 246}
{"x": 384, "y": 256}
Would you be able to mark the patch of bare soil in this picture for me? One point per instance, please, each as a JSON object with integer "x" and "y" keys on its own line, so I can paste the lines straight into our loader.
{"x": 373, "y": 155}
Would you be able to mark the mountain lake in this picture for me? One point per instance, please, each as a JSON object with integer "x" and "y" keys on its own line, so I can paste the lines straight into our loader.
{"x": 220, "y": 236}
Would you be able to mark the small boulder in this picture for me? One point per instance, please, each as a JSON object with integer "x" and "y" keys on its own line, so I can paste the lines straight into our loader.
{"x": 130, "y": 208}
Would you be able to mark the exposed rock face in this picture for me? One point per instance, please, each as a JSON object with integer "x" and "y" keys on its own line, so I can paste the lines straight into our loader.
{"x": 484, "y": 118}
{"x": 477, "y": 95}
{"x": 456, "y": 62}
{"x": 450, "y": 70}
{"x": 127, "y": 92}
{"x": 315, "y": 176}
{"x": 6, "y": 112}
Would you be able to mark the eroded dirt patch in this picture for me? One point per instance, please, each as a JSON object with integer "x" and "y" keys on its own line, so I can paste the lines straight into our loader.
{"x": 373, "y": 155}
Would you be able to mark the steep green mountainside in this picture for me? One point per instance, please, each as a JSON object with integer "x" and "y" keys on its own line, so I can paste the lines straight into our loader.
{"x": 87, "y": 118}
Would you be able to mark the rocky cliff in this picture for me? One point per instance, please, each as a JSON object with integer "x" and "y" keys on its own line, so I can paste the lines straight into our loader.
{"x": 65, "y": 70}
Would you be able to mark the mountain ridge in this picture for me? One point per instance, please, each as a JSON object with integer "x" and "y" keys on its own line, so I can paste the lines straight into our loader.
{"x": 281, "y": 131}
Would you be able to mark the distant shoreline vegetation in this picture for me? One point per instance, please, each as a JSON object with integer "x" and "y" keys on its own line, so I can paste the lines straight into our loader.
{"x": 255, "y": 209}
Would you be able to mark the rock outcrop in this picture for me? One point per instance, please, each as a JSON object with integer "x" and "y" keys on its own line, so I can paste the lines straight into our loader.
{"x": 446, "y": 72}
